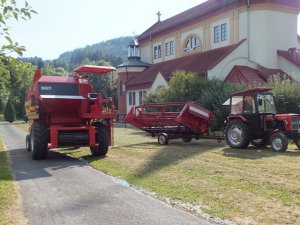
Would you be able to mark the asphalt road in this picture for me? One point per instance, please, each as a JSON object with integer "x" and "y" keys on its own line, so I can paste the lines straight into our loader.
{"x": 63, "y": 190}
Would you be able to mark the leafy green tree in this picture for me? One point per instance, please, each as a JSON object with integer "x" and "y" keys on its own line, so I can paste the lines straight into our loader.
{"x": 4, "y": 85}
{"x": 20, "y": 78}
{"x": 9, "y": 111}
{"x": 287, "y": 94}
{"x": 10, "y": 10}
{"x": 186, "y": 86}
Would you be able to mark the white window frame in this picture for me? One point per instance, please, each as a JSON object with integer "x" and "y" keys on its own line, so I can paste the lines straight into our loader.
{"x": 192, "y": 44}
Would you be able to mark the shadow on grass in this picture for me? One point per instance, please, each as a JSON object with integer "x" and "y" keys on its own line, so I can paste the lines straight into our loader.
{"x": 256, "y": 153}
{"x": 172, "y": 154}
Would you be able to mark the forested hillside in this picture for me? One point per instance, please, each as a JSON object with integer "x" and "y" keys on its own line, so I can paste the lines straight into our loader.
{"x": 113, "y": 51}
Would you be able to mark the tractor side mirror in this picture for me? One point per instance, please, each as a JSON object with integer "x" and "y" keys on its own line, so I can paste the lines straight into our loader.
{"x": 260, "y": 102}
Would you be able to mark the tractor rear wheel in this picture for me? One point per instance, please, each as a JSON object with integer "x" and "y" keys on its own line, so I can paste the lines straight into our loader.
{"x": 259, "y": 143}
{"x": 237, "y": 134}
{"x": 163, "y": 139}
{"x": 279, "y": 142}
{"x": 102, "y": 139}
{"x": 39, "y": 137}
{"x": 28, "y": 147}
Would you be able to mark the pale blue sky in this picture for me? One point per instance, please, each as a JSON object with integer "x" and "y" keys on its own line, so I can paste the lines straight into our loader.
{"x": 63, "y": 25}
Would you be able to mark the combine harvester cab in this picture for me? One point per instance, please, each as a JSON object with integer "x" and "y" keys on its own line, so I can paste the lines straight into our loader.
{"x": 66, "y": 112}
{"x": 171, "y": 120}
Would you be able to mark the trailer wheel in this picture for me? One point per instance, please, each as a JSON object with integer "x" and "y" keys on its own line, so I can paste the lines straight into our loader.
{"x": 297, "y": 142}
{"x": 279, "y": 142}
{"x": 102, "y": 139}
{"x": 39, "y": 141}
{"x": 259, "y": 143}
{"x": 28, "y": 145}
{"x": 163, "y": 139}
{"x": 237, "y": 134}
{"x": 187, "y": 139}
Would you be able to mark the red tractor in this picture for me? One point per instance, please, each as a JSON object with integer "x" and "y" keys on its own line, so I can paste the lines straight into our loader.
{"x": 66, "y": 112}
{"x": 253, "y": 119}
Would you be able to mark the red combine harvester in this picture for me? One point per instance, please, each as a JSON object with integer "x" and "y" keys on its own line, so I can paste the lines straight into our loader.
{"x": 66, "y": 112}
{"x": 172, "y": 120}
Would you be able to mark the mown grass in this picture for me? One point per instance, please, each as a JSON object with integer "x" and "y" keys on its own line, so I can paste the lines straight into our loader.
{"x": 250, "y": 186}
{"x": 8, "y": 193}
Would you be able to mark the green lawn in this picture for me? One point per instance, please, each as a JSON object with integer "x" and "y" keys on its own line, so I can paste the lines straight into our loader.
{"x": 9, "y": 200}
{"x": 250, "y": 186}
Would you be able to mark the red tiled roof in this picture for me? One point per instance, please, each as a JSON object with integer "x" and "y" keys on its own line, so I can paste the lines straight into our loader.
{"x": 266, "y": 73}
{"x": 245, "y": 75}
{"x": 292, "y": 55}
{"x": 198, "y": 63}
{"x": 204, "y": 11}
{"x": 249, "y": 76}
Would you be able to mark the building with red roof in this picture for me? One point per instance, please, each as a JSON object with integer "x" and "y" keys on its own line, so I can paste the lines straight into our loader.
{"x": 239, "y": 41}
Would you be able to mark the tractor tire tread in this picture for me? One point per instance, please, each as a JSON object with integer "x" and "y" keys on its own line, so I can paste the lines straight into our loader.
{"x": 247, "y": 134}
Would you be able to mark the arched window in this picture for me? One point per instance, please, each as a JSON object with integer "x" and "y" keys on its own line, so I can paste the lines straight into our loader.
{"x": 192, "y": 43}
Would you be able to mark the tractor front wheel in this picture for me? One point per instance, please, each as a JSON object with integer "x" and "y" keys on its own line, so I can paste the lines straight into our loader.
{"x": 102, "y": 139}
{"x": 279, "y": 142}
{"x": 39, "y": 137}
{"x": 237, "y": 134}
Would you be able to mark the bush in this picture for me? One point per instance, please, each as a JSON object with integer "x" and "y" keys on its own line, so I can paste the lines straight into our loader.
{"x": 186, "y": 86}
{"x": 287, "y": 94}
{"x": 9, "y": 111}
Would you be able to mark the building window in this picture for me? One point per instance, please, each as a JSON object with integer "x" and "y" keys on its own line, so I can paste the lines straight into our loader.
{"x": 131, "y": 98}
{"x": 157, "y": 52}
{"x": 216, "y": 34}
{"x": 192, "y": 43}
{"x": 220, "y": 33}
{"x": 142, "y": 94}
{"x": 169, "y": 48}
{"x": 224, "y": 32}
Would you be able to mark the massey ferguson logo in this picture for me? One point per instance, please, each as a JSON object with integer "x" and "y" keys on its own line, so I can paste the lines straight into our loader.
{"x": 46, "y": 88}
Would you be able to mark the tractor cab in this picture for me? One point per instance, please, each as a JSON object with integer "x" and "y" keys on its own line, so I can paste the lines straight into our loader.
{"x": 252, "y": 105}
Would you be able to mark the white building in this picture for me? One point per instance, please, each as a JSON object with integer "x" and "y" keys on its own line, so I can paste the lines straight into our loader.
{"x": 242, "y": 41}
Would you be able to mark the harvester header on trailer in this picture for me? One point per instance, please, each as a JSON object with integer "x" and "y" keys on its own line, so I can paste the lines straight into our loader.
{"x": 171, "y": 120}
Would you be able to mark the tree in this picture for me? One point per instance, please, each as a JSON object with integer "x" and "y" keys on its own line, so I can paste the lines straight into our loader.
{"x": 287, "y": 94}
{"x": 9, "y": 111}
{"x": 10, "y": 10}
{"x": 187, "y": 86}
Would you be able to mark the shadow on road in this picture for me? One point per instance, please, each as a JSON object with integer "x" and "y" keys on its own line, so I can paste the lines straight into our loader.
{"x": 25, "y": 168}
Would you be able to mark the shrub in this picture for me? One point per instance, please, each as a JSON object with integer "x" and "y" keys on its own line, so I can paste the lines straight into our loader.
{"x": 186, "y": 86}
{"x": 287, "y": 94}
{"x": 9, "y": 111}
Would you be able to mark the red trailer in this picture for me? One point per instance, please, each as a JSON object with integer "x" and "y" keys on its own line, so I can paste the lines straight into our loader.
{"x": 64, "y": 111}
{"x": 172, "y": 120}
